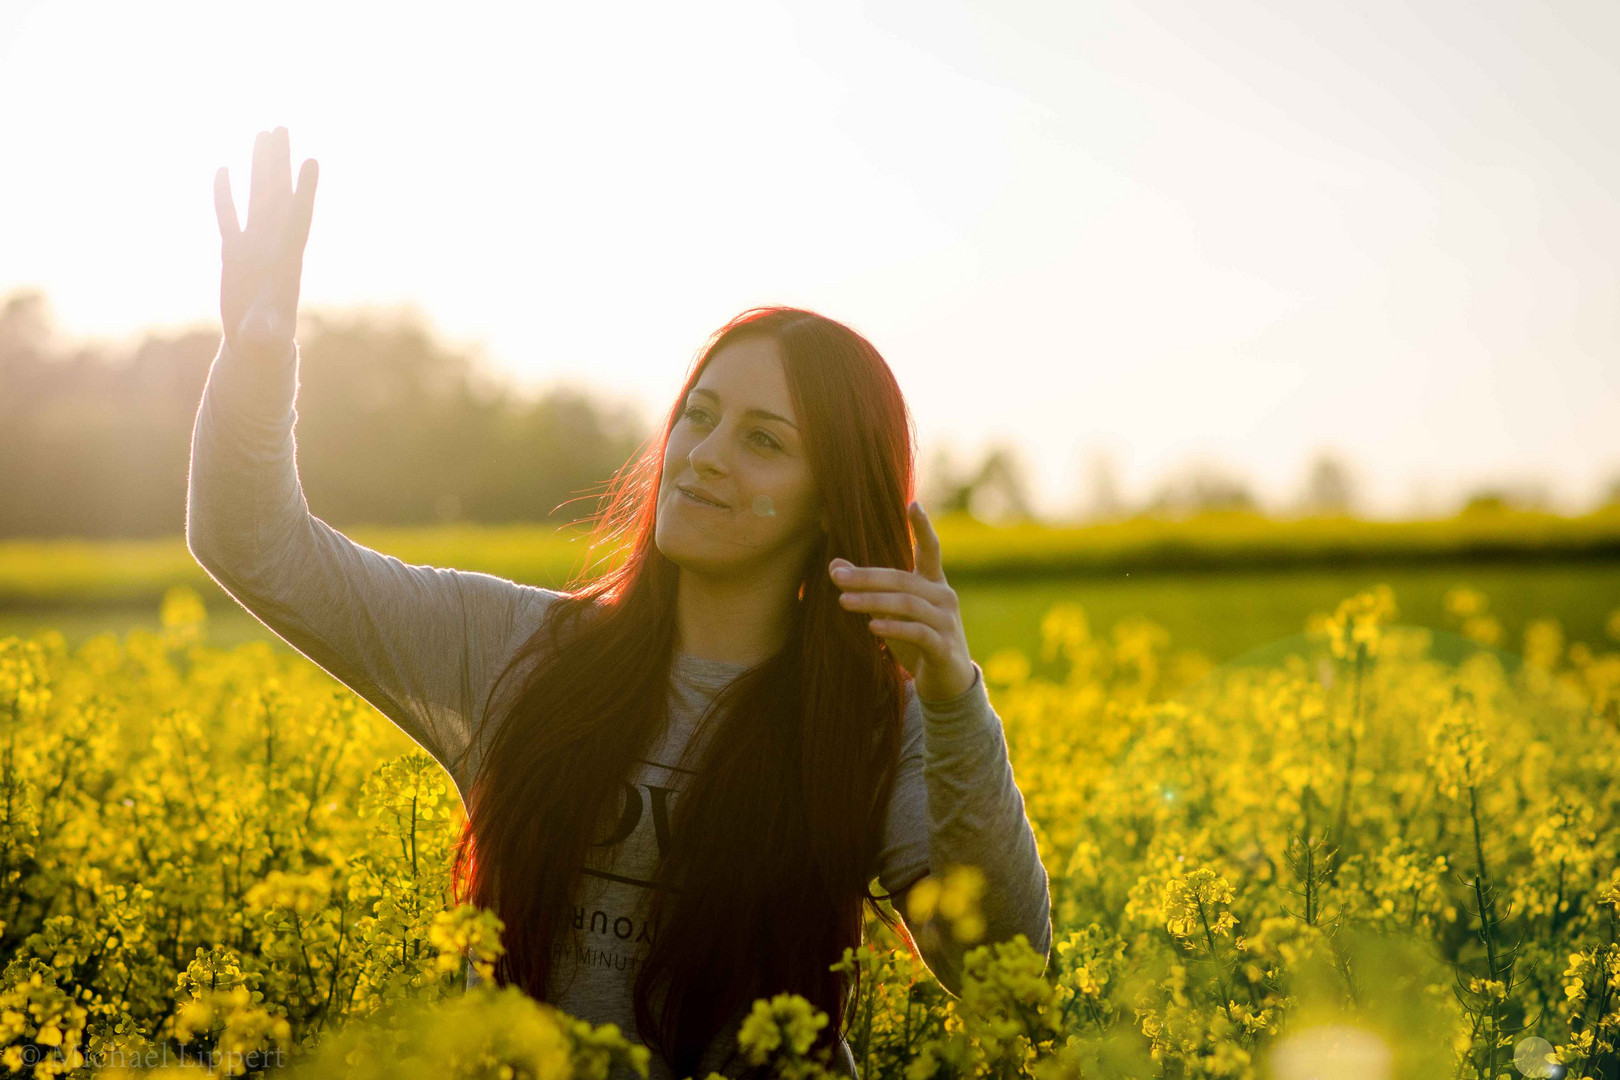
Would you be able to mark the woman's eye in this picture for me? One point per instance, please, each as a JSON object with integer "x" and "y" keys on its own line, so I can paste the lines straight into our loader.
{"x": 760, "y": 436}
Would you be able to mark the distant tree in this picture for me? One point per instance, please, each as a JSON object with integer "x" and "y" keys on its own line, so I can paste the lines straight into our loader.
{"x": 25, "y": 335}
{"x": 26, "y": 325}
{"x": 1199, "y": 488}
{"x": 93, "y": 441}
{"x": 555, "y": 456}
{"x": 1001, "y": 488}
{"x": 1524, "y": 495}
{"x": 1104, "y": 501}
{"x": 944, "y": 485}
{"x": 393, "y": 428}
{"x": 1329, "y": 487}
{"x": 995, "y": 490}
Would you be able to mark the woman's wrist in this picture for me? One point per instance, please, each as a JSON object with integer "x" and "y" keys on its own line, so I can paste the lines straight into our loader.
{"x": 960, "y": 715}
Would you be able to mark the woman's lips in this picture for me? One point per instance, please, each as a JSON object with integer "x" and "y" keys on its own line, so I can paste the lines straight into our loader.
{"x": 699, "y": 501}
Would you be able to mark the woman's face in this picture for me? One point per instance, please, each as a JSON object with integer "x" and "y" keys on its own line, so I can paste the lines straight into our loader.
{"x": 737, "y": 442}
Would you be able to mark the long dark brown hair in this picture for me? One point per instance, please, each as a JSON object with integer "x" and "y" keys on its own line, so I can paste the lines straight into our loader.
{"x": 764, "y": 882}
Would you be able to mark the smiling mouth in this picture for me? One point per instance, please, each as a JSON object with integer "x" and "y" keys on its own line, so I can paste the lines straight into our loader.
{"x": 702, "y": 501}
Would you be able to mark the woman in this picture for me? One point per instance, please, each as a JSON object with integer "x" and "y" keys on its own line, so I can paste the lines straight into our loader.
{"x": 685, "y": 774}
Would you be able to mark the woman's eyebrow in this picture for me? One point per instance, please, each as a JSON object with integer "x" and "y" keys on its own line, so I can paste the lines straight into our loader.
{"x": 762, "y": 413}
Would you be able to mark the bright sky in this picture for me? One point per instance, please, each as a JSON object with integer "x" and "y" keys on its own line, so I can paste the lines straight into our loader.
{"x": 1163, "y": 231}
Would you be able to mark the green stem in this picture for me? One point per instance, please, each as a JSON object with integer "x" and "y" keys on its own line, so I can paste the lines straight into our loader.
{"x": 1342, "y": 824}
{"x": 1214, "y": 958}
{"x": 1603, "y": 1007}
{"x": 1486, "y": 907}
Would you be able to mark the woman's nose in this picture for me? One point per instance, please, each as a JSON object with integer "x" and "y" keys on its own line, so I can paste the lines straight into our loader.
{"x": 709, "y": 454}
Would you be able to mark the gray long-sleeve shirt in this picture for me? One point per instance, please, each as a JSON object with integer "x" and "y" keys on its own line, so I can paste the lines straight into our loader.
{"x": 424, "y": 645}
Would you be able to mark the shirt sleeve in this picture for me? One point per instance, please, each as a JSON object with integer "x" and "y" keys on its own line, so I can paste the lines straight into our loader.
{"x": 903, "y": 856}
{"x": 422, "y": 644}
{"x": 956, "y": 802}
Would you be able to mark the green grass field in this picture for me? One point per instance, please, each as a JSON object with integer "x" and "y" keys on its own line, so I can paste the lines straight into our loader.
{"x": 1223, "y": 614}
{"x": 62, "y": 573}
{"x": 1227, "y": 614}
{"x": 1223, "y": 583}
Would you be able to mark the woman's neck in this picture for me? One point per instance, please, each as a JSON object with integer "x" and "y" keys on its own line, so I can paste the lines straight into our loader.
{"x": 732, "y": 620}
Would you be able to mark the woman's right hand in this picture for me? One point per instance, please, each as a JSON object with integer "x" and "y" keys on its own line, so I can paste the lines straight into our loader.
{"x": 262, "y": 263}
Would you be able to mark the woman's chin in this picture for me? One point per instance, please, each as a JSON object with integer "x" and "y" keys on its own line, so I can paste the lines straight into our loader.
{"x": 715, "y": 543}
{"x": 690, "y": 548}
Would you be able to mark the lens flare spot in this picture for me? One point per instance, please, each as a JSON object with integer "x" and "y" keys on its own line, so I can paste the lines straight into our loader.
{"x": 763, "y": 506}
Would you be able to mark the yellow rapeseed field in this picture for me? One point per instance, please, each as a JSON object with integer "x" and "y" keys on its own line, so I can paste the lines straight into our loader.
{"x": 1377, "y": 851}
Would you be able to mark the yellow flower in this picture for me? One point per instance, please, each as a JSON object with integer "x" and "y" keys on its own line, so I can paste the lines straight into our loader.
{"x": 1355, "y": 627}
{"x": 1457, "y": 748}
{"x": 24, "y": 682}
{"x": 1197, "y": 902}
{"x": 784, "y": 1020}
{"x": 1064, "y": 628}
{"x": 955, "y": 897}
{"x": 1463, "y": 602}
{"x": 298, "y": 893}
{"x": 183, "y": 616}
{"x": 1543, "y": 643}
{"x": 1007, "y": 667}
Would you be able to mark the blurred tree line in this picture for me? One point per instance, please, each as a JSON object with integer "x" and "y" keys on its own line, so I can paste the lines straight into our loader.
{"x": 393, "y": 428}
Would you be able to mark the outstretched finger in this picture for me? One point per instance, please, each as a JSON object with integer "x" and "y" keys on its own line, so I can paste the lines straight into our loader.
{"x": 303, "y": 204}
{"x": 259, "y": 180}
{"x": 225, "y": 206}
{"x": 280, "y": 164}
{"x": 928, "y": 556}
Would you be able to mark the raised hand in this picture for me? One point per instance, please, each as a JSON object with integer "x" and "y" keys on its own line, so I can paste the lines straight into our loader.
{"x": 262, "y": 263}
{"x": 914, "y": 613}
